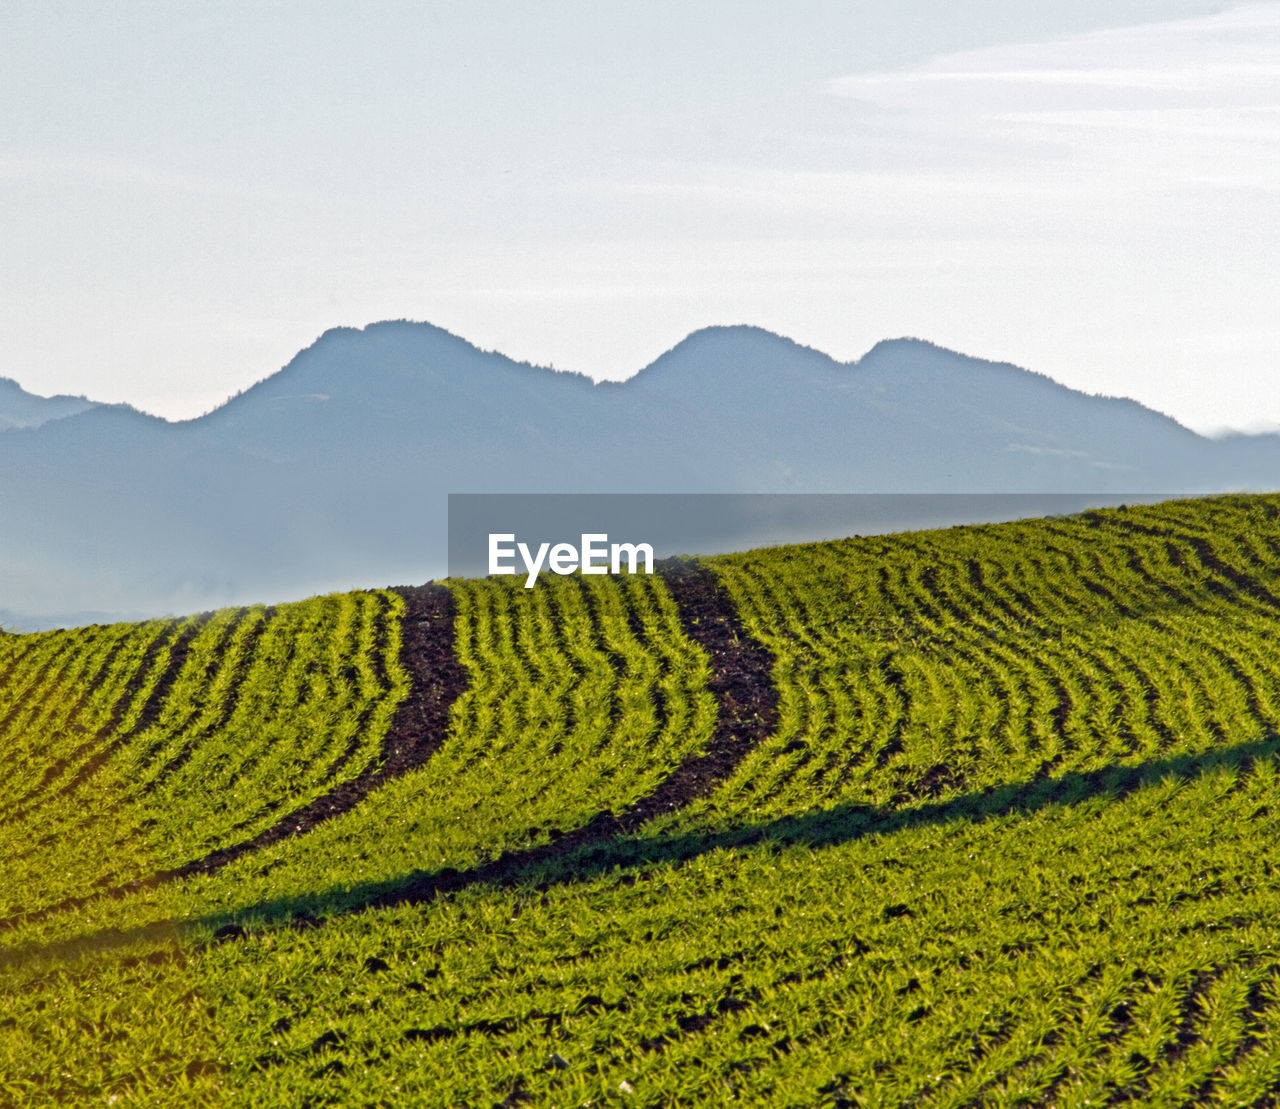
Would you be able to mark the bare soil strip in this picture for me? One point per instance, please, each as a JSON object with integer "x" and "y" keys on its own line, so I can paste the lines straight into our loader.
{"x": 417, "y": 730}
{"x": 746, "y": 714}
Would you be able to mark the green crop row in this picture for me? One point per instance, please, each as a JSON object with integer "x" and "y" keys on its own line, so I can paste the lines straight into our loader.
{"x": 535, "y": 749}
{"x": 927, "y": 667}
{"x": 234, "y": 722}
{"x": 1024, "y": 955}
{"x": 1013, "y": 841}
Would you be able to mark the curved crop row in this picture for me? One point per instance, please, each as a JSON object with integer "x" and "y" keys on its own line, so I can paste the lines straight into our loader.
{"x": 930, "y": 666}
{"x": 578, "y": 700}
{"x": 1012, "y": 839}
{"x": 194, "y": 736}
{"x": 616, "y": 701}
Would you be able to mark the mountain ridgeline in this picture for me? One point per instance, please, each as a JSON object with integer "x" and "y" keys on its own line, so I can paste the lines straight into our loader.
{"x": 18, "y": 408}
{"x": 333, "y": 473}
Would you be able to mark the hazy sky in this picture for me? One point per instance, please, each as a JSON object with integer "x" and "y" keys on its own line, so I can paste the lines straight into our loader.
{"x": 191, "y": 192}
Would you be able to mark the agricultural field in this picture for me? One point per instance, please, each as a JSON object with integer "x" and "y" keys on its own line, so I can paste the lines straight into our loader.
{"x": 981, "y": 816}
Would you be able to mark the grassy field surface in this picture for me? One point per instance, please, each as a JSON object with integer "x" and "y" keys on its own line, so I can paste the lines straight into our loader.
{"x": 982, "y": 816}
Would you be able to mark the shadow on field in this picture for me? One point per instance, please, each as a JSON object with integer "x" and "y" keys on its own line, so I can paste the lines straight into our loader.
{"x": 574, "y": 859}
{"x": 551, "y": 864}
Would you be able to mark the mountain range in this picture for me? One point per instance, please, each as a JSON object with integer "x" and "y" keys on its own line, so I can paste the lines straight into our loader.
{"x": 333, "y": 472}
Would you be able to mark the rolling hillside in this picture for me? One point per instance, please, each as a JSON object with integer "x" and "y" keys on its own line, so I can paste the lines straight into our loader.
{"x": 985, "y": 815}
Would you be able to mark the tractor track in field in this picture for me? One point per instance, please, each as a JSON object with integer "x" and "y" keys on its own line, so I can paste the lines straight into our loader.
{"x": 417, "y": 730}
{"x": 746, "y": 714}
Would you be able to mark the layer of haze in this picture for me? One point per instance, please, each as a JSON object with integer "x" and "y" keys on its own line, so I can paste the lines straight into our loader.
{"x": 192, "y": 192}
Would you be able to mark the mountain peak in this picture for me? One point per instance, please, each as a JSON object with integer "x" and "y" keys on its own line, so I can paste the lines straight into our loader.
{"x": 739, "y": 336}
{"x": 732, "y": 357}
{"x": 910, "y": 348}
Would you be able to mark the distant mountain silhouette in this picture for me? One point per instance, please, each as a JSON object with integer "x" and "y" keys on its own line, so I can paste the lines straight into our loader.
{"x": 333, "y": 472}
{"x": 18, "y": 408}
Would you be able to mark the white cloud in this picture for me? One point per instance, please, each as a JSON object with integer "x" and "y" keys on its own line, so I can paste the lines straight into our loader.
{"x": 1191, "y": 102}
{"x": 1236, "y": 52}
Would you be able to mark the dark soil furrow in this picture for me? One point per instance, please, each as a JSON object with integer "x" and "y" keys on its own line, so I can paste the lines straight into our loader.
{"x": 353, "y": 744}
{"x": 1128, "y": 703}
{"x": 551, "y": 668}
{"x": 1168, "y": 592}
{"x": 15, "y": 660}
{"x": 39, "y": 681}
{"x": 348, "y": 752}
{"x": 380, "y": 672}
{"x": 418, "y": 729}
{"x": 1015, "y": 617}
{"x": 990, "y": 642}
{"x": 1220, "y": 572}
{"x": 896, "y": 684}
{"x": 1246, "y": 684}
{"x": 973, "y": 623}
{"x": 1094, "y": 566}
{"x": 980, "y": 654}
{"x": 1253, "y": 1013}
{"x": 253, "y": 756}
{"x": 747, "y": 712}
{"x": 1242, "y": 581}
{"x": 616, "y": 660}
{"x": 741, "y": 682}
{"x": 157, "y": 703}
{"x": 179, "y": 647}
{"x": 1242, "y": 679}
